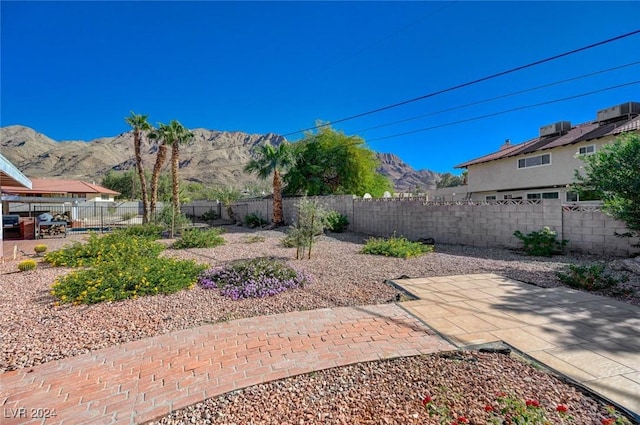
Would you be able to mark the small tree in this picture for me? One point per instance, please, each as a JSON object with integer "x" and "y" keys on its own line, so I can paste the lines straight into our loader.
{"x": 614, "y": 174}
{"x": 310, "y": 223}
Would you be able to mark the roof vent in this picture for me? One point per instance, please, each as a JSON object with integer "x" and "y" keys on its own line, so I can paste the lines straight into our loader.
{"x": 556, "y": 129}
{"x": 614, "y": 113}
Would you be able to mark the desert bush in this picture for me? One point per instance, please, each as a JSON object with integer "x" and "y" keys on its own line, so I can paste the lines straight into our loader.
{"x": 27, "y": 265}
{"x": 40, "y": 248}
{"x": 209, "y": 215}
{"x": 337, "y": 222}
{"x": 199, "y": 238}
{"x": 113, "y": 281}
{"x": 590, "y": 278}
{"x": 395, "y": 247}
{"x": 167, "y": 219}
{"x": 253, "y": 278}
{"x": 541, "y": 243}
{"x": 254, "y": 220}
{"x": 115, "y": 247}
{"x": 149, "y": 230}
{"x": 310, "y": 223}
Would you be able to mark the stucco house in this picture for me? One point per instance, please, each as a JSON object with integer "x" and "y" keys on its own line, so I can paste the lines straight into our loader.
{"x": 544, "y": 167}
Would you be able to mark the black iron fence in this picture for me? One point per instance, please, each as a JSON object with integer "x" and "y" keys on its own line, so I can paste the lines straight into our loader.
{"x": 104, "y": 218}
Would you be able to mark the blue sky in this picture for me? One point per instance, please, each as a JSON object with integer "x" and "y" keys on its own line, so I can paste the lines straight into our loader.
{"x": 74, "y": 70}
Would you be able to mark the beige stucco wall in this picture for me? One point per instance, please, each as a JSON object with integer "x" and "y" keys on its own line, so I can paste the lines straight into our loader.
{"x": 504, "y": 174}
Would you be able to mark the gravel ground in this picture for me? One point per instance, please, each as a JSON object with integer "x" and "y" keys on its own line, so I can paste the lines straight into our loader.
{"x": 391, "y": 392}
{"x": 35, "y": 331}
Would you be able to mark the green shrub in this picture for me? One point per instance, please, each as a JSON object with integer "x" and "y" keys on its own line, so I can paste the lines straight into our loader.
{"x": 395, "y": 247}
{"x": 27, "y": 265}
{"x": 115, "y": 247}
{"x": 209, "y": 215}
{"x": 146, "y": 230}
{"x": 167, "y": 219}
{"x": 254, "y": 278}
{"x": 113, "y": 281}
{"x": 541, "y": 243}
{"x": 337, "y": 222}
{"x": 40, "y": 248}
{"x": 310, "y": 223}
{"x": 254, "y": 220}
{"x": 590, "y": 278}
{"x": 197, "y": 238}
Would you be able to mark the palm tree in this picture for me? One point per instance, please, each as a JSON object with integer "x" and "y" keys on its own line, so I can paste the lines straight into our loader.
{"x": 272, "y": 160}
{"x": 140, "y": 127}
{"x": 161, "y": 156}
{"x": 174, "y": 134}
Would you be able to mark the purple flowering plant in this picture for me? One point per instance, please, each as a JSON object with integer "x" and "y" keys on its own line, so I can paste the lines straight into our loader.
{"x": 253, "y": 278}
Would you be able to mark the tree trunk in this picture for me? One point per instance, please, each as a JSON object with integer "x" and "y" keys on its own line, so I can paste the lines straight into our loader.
{"x": 175, "y": 153}
{"x": 161, "y": 156}
{"x": 277, "y": 199}
{"x": 137, "y": 142}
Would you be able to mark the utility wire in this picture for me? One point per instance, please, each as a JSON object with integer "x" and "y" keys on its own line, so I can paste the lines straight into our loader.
{"x": 497, "y": 97}
{"x": 519, "y": 108}
{"x": 464, "y": 120}
{"x": 469, "y": 83}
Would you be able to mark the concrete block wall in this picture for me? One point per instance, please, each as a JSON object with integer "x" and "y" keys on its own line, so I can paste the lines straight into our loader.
{"x": 468, "y": 223}
{"x": 487, "y": 224}
{"x": 592, "y": 231}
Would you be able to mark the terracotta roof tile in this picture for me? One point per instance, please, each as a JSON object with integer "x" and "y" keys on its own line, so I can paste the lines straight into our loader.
{"x": 61, "y": 186}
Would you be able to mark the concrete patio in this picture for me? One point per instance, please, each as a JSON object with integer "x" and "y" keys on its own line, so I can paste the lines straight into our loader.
{"x": 591, "y": 339}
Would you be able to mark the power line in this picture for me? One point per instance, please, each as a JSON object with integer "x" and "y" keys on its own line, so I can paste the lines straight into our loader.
{"x": 469, "y": 119}
{"x": 497, "y": 97}
{"x": 469, "y": 83}
{"x": 506, "y": 111}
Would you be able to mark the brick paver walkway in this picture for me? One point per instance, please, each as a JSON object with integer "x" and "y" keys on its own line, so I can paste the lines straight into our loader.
{"x": 143, "y": 380}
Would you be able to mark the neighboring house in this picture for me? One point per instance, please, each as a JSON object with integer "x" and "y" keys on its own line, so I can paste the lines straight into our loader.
{"x": 69, "y": 190}
{"x": 544, "y": 167}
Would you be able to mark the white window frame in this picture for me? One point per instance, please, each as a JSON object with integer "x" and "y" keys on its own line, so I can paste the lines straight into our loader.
{"x": 490, "y": 197}
{"x": 532, "y": 166}
{"x": 585, "y": 148}
{"x": 542, "y": 195}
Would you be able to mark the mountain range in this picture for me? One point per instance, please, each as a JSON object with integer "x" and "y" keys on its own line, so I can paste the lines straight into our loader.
{"x": 214, "y": 157}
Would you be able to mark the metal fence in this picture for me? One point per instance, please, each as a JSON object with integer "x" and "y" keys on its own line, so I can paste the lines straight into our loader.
{"x": 94, "y": 217}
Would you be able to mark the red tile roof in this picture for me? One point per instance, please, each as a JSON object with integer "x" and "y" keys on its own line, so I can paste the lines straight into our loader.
{"x": 52, "y": 186}
{"x": 580, "y": 133}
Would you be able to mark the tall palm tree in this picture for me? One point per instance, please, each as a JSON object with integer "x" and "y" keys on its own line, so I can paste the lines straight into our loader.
{"x": 173, "y": 134}
{"x": 161, "y": 157}
{"x": 140, "y": 127}
{"x": 272, "y": 160}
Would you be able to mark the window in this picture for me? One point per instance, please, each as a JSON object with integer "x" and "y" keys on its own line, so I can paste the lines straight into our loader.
{"x": 587, "y": 195}
{"x": 535, "y": 161}
{"x": 587, "y": 150}
{"x": 104, "y": 197}
{"x": 507, "y": 197}
{"x": 544, "y": 195}
{"x": 490, "y": 198}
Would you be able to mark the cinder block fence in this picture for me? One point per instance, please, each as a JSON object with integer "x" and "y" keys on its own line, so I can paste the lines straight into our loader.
{"x": 475, "y": 223}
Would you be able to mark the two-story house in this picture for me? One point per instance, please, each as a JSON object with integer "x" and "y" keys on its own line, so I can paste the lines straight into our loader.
{"x": 544, "y": 167}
